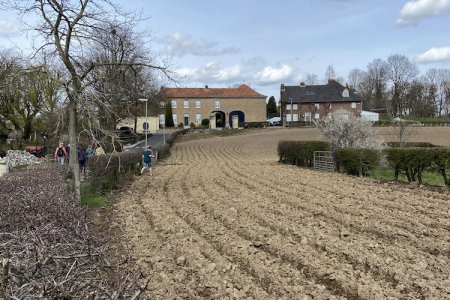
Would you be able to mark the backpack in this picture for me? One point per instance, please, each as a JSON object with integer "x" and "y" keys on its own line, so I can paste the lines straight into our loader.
{"x": 81, "y": 155}
{"x": 60, "y": 152}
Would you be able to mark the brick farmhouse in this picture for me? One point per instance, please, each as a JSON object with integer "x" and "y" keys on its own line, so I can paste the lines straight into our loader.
{"x": 307, "y": 103}
{"x": 220, "y": 105}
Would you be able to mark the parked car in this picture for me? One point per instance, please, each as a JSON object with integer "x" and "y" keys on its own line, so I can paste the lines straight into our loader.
{"x": 274, "y": 121}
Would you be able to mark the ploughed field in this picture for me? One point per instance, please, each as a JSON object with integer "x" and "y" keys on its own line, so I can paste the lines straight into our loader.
{"x": 221, "y": 219}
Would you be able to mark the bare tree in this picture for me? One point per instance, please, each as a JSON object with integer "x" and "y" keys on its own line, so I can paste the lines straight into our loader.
{"x": 67, "y": 28}
{"x": 401, "y": 72}
{"x": 311, "y": 79}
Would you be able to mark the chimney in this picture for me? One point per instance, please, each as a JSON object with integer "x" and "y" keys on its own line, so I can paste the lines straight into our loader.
{"x": 302, "y": 84}
{"x": 206, "y": 87}
{"x": 282, "y": 87}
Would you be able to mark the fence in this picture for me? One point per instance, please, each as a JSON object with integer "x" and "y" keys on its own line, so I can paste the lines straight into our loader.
{"x": 324, "y": 161}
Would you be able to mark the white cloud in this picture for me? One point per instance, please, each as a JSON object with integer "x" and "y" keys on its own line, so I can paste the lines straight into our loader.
{"x": 271, "y": 75}
{"x": 434, "y": 55}
{"x": 8, "y": 26}
{"x": 415, "y": 11}
{"x": 212, "y": 73}
{"x": 180, "y": 44}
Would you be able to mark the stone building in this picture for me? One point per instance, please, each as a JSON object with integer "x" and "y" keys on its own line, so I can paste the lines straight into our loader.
{"x": 307, "y": 103}
{"x": 224, "y": 107}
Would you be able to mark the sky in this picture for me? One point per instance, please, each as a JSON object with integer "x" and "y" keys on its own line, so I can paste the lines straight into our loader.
{"x": 268, "y": 42}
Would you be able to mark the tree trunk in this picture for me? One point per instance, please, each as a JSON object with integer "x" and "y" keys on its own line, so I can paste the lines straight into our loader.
{"x": 74, "y": 147}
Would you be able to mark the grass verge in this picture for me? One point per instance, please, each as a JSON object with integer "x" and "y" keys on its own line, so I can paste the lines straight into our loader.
{"x": 429, "y": 178}
{"x": 90, "y": 196}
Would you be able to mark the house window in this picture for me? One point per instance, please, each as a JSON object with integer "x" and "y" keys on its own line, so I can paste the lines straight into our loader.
{"x": 217, "y": 104}
{"x": 174, "y": 117}
{"x": 316, "y": 116}
{"x": 197, "y": 104}
{"x": 316, "y": 105}
{"x": 198, "y": 118}
{"x": 295, "y": 106}
{"x": 174, "y": 103}
{"x": 162, "y": 119}
{"x": 288, "y": 118}
{"x": 353, "y": 104}
{"x": 186, "y": 103}
{"x": 295, "y": 117}
{"x": 288, "y": 107}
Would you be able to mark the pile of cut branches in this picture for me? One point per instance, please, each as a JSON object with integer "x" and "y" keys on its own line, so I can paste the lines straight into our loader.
{"x": 47, "y": 246}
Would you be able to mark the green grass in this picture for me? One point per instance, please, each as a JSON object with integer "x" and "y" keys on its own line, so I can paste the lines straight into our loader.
{"x": 91, "y": 197}
{"x": 429, "y": 178}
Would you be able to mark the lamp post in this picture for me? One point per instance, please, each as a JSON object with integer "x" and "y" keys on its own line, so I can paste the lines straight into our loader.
{"x": 163, "y": 121}
{"x": 291, "y": 113}
{"x": 146, "y": 119}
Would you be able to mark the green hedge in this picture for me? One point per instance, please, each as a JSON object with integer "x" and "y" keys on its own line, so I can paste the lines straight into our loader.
{"x": 414, "y": 161}
{"x": 355, "y": 161}
{"x": 300, "y": 153}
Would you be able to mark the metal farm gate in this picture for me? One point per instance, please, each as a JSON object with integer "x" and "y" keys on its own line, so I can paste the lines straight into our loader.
{"x": 324, "y": 160}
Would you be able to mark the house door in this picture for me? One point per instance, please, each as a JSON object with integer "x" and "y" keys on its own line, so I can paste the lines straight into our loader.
{"x": 307, "y": 117}
{"x": 186, "y": 121}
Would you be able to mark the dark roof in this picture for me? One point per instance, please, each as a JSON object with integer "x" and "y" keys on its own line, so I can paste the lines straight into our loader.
{"x": 244, "y": 91}
{"x": 330, "y": 92}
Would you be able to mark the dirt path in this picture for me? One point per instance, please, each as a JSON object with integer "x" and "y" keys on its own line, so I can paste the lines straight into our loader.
{"x": 222, "y": 220}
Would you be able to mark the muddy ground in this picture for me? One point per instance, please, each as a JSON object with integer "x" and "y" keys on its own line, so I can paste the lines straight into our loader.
{"x": 221, "y": 219}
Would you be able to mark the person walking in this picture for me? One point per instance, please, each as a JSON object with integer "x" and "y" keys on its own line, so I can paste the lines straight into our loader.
{"x": 147, "y": 160}
{"x": 82, "y": 158}
{"x": 90, "y": 151}
{"x": 60, "y": 153}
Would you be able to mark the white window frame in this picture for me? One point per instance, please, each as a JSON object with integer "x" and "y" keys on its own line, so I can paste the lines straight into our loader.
{"x": 185, "y": 103}
{"x": 175, "y": 121}
{"x": 316, "y": 105}
{"x": 198, "y": 104}
{"x": 353, "y": 104}
{"x": 198, "y": 118}
{"x": 174, "y": 103}
{"x": 288, "y": 107}
{"x": 217, "y": 104}
{"x": 295, "y": 117}
{"x": 288, "y": 118}
{"x": 295, "y": 106}
{"x": 316, "y": 116}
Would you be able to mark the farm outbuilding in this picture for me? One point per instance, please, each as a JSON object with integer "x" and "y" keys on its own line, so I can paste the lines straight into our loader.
{"x": 370, "y": 116}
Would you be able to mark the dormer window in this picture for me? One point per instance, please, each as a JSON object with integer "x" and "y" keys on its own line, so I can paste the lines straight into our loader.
{"x": 345, "y": 93}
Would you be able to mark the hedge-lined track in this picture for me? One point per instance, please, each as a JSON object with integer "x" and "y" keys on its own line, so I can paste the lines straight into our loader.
{"x": 222, "y": 220}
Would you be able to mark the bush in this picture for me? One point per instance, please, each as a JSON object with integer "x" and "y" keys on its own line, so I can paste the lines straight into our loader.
{"x": 357, "y": 161}
{"x": 442, "y": 161}
{"x": 205, "y": 122}
{"x": 254, "y": 124}
{"x": 300, "y": 153}
{"x": 180, "y": 125}
{"x": 413, "y": 161}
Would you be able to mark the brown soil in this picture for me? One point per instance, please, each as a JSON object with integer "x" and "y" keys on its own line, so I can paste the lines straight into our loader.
{"x": 221, "y": 219}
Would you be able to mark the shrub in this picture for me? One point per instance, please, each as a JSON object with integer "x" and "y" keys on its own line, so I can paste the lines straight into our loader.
{"x": 409, "y": 144}
{"x": 442, "y": 161}
{"x": 205, "y": 122}
{"x": 180, "y": 125}
{"x": 300, "y": 153}
{"x": 357, "y": 161}
{"x": 348, "y": 133}
{"x": 413, "y": 161}
{"x": 254, "y": 124}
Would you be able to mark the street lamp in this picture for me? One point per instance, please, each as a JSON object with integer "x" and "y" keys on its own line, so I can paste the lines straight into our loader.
{"x": 163, "y": 121}
{"x": 146, "y": 119}
{"x": 291, "y": 113}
